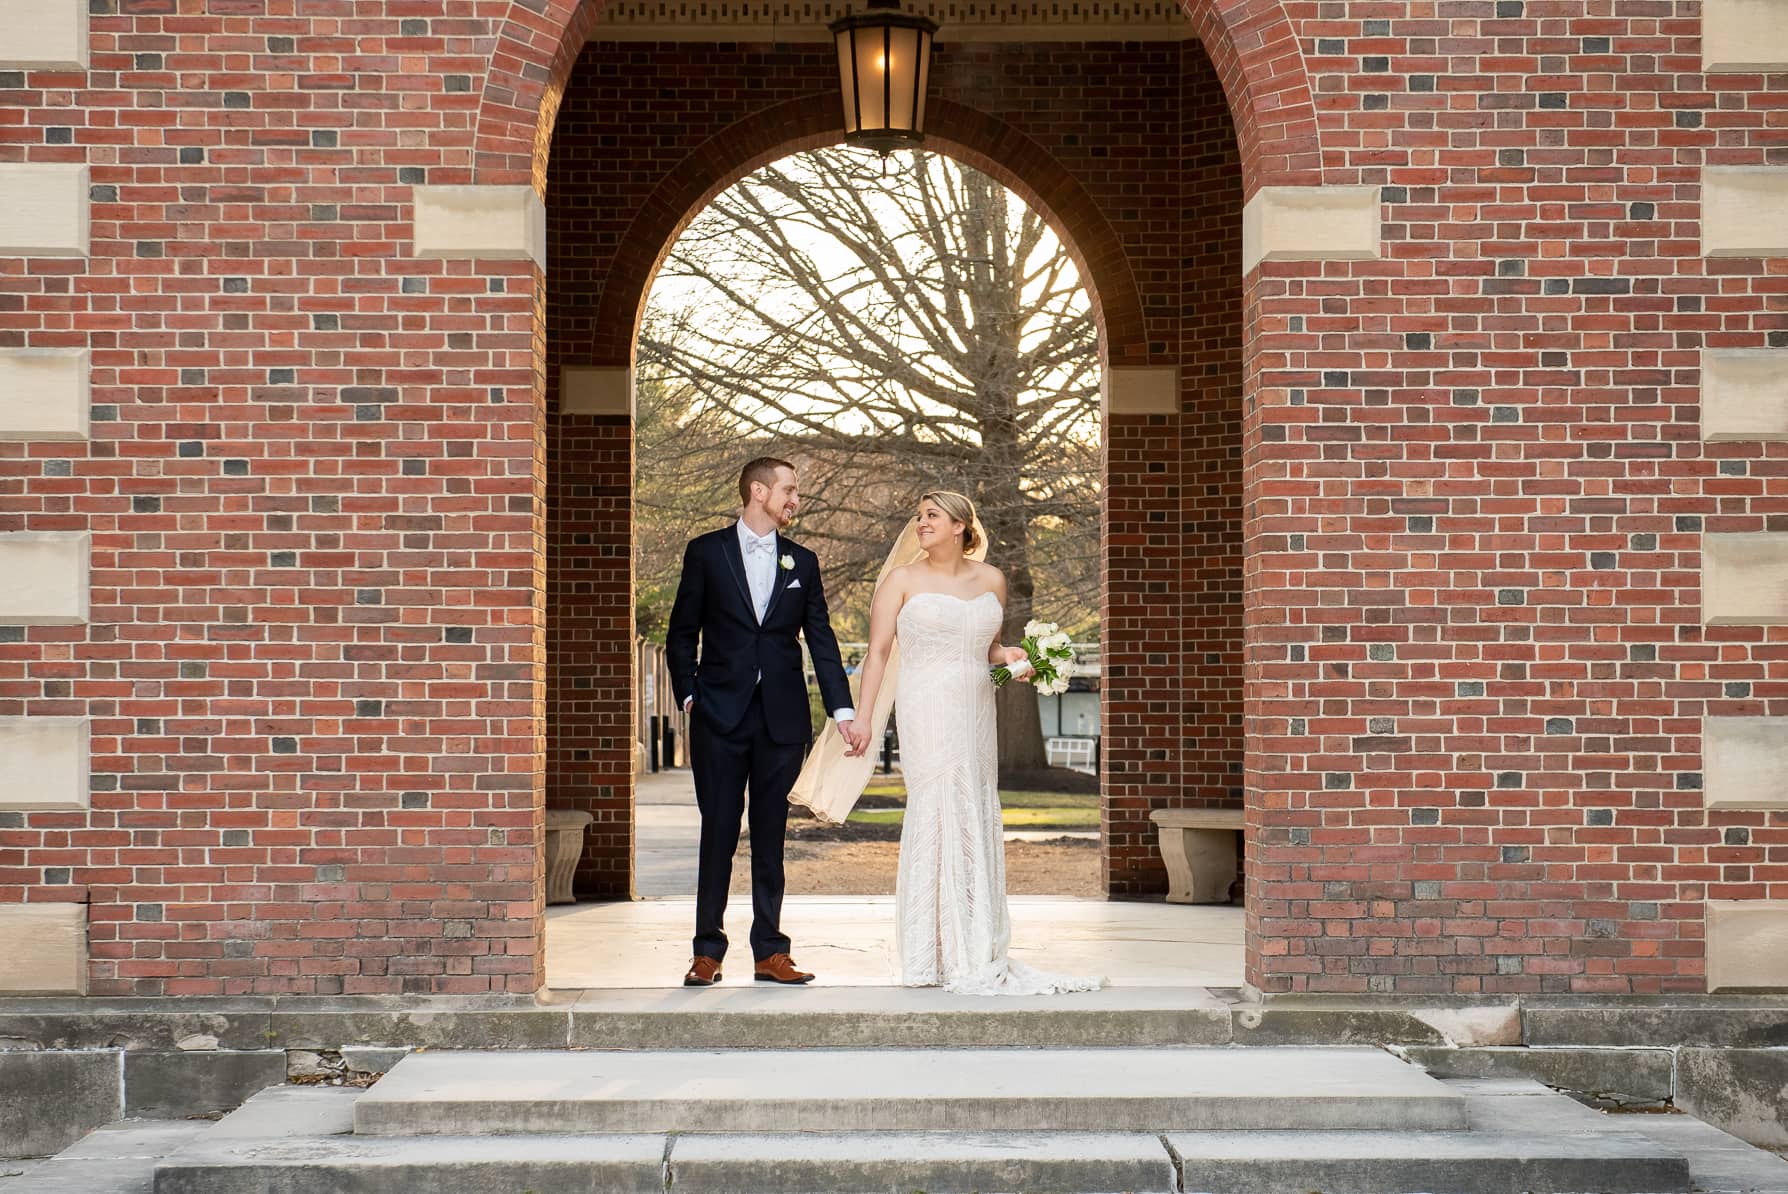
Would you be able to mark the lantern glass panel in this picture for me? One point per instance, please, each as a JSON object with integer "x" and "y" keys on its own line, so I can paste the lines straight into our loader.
{"x": 903, "y": 57}
{"x": 871, "y": 78}
{"x": 847, "y": 79}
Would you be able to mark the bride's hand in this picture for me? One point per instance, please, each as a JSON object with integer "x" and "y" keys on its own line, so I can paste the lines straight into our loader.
{"x": 1019, "y": 663}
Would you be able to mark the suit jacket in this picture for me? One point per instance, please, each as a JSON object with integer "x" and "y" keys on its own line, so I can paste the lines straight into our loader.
{"x": 714, "y": 605}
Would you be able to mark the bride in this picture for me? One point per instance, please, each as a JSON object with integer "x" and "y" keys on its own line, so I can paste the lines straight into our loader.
{"x": 945, "y": 610}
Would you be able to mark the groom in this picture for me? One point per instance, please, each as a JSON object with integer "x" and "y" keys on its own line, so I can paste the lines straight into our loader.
{"x": 746, "y": 593}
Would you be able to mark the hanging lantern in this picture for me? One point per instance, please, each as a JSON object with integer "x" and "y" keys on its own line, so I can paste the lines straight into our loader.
{"x": 884, "y": 64}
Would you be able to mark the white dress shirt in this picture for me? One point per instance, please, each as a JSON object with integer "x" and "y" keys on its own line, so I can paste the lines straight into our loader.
{"x": 759, "y": 552}
{"x": 761, "y": 563}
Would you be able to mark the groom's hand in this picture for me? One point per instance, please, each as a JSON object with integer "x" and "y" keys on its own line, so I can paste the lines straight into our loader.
{"x": 858, "y": 739}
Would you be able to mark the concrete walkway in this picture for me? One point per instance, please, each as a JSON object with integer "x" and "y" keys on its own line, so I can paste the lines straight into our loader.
{"x": 849, "y": 941}
{"x": 667, "y": 830}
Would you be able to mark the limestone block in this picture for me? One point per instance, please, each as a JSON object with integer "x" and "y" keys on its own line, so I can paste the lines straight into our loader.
{"x": 1148, "y": 390}
{"x": 1745, "y": 762}
{"x": 43, "y": 34}
{"x": 44, "y": 394}
{"x": 43, "y": 763}
{"x": 1606, "y": 1077}
{"x": 1736, "y": 1090}
{"x": 1744, "y": 394}
{"x": 1744, "y": 211}
{"x": 181, "y": 1084}
{"x": 1622, "y": 1023}
{"x": 1744, "y": 35}
{"x": 502, "y": 222}
{"x": 45, "y": 212}
{"x": 49, "y": 1100}
{"x": 1744, "y": 579}
{"x": 1310, "y": 224}
{"x": 1747, "y": 945}
{"x": 43, "y": 578}
{"x": 45, "y": 947}
{"x": 593, "y": 390}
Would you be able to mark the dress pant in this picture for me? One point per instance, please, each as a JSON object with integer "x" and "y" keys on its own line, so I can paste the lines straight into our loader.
{"x": 724, "y": 764}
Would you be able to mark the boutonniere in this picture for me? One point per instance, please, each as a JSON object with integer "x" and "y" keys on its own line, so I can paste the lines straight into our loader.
{"x": 788, "y": 563}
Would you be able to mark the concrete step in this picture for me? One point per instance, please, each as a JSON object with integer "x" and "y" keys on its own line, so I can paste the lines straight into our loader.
{"x": 758, "y": 1016}
{"x": 1522, "y": 1138}
{"x": 894, "y": 1090}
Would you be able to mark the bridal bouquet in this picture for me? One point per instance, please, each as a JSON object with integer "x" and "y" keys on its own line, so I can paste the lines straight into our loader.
{"x": 1049, "y": 656}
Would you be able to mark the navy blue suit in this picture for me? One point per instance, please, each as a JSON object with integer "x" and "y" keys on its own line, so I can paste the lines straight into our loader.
{"x": 750, "y": 724}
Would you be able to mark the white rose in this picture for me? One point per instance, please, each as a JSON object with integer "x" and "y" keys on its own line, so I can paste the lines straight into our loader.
{"x": 1034, "y": 628}
{"x": 1054, "y": 642}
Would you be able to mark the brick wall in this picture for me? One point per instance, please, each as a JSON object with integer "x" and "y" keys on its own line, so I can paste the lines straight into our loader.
{"x": 311, "y": 659}
{"x": 1478, "y": 493}
{"x": 1477, "y": 501}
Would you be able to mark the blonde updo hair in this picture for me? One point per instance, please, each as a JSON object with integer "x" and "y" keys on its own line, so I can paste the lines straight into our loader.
{"x": 960, "y": 509}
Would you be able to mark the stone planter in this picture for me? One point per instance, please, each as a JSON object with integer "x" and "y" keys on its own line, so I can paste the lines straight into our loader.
{"x": 564, "y": 846}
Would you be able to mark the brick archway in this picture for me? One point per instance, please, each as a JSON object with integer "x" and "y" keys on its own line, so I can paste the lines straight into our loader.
{"x": 975, "y": 138}
{"x": 1250, "y": 42}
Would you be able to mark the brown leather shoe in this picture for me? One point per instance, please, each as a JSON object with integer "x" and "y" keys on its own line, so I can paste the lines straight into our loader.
{"x": 780, "y": 968}
{"x": 703, "y": 972}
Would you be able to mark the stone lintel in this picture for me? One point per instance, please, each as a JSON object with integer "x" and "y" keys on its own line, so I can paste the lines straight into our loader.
{"x": 43, "y": 578}
{"x": 44, "y": 394}
{"x": 1744, "y": 579}
{"x": 505, "y": 223}
{"x": 1747, "y": 945}
{"x": 44, "y": 763}
{"x": 43, "y": 35}
{"x": 1744, "y": 394}
{"x": 45, "y": 210}
{"x": 1744, "y": 211}
{"x": 1311, "y": 224}
{"x": 1142, "y": 390}
{"x": 1744, "y": 36}
{"x": 45, "y": 947}
{"x": 1745, "y": 762}
{"x": 596, "y": 390}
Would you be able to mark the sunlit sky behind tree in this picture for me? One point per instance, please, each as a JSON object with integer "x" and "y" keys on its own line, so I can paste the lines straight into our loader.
{"x": 877, "y": 323}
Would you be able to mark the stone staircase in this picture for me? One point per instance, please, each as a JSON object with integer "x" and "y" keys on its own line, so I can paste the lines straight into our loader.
{"x": 1222, "y": 1120}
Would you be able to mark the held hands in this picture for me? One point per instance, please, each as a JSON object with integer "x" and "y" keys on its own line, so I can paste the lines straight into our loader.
{"x": 858, "y": 738}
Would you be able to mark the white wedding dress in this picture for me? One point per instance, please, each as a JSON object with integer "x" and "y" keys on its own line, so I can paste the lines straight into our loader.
{"x": 953, "y": 929}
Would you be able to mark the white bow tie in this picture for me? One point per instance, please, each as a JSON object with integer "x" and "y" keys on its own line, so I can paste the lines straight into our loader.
{"x": 766, "y": 544}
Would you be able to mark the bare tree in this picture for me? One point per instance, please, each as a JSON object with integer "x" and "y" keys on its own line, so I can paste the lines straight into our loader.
{"x": 894, "y": 329}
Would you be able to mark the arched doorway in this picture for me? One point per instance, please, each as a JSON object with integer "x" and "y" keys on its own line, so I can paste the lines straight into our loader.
{"x": 1172, "y": 553}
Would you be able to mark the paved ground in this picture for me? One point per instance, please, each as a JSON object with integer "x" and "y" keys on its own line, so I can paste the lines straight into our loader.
{"x": 667, "y": 826}
{"x": 849, "y": 940}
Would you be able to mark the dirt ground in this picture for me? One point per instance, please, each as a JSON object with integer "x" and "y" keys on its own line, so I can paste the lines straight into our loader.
{"x": 1065, "y": 867}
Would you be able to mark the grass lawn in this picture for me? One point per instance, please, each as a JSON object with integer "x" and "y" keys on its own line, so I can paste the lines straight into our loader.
{"x": 1020, "y": 809}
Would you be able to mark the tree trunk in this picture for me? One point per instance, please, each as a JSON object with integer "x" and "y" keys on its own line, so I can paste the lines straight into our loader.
{"x": 1020, "y": 727}
{"x": 994, "y": 296}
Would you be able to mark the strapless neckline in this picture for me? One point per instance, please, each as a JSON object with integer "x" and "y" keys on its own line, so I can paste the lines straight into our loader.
{"x": 954, "y": 597}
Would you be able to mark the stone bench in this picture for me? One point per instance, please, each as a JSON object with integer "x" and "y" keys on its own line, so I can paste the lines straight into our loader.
{"x": 1198, "y": 845}
{"x": 564, "y": 846}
